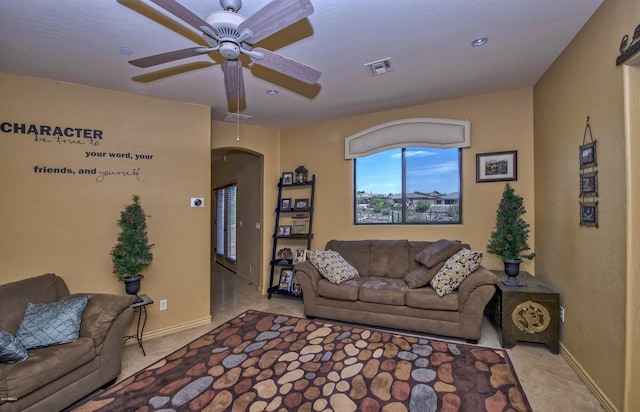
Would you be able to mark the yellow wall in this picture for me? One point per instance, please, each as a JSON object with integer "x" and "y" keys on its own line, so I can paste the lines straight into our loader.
{"x": 499, "y": 122}
{"x": 67, "y": 223}
{"x": 588, "y": 265}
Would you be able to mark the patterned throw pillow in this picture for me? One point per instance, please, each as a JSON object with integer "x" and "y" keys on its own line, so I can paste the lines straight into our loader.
{"x": 54, "y": 323}
{"x": 332, "y": 266}
{"x": 11, "y": 350}
{"x": 455, "y": 270}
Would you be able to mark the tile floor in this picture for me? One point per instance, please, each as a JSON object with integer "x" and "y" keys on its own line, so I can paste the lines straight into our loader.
{"x": 549, "y": 382}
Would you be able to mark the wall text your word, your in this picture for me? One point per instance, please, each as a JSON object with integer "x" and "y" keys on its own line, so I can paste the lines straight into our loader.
{"x": 119, "y": 155}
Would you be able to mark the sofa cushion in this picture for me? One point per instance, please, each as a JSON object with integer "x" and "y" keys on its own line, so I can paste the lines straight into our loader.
{"x": 52, "y": 323}
{"x": 438, "y": 252}
{"x": 427, "y": 298}
{"x": 415, "y": 247}
{"x": 422, "y": 275}
{"x": 11, "y": 349}
{"x": 455, "y": 270}
{"x": 383, "y": 290}
{"x": 356, "y": 252}
{"x": 389, "y": 258}
{"x": 43, "y": 366}
{"x": 332, "y": 266}
{"x": 102, "y": 309}
{"x": 14, "y": 297}
{"x": 347, "y": 290}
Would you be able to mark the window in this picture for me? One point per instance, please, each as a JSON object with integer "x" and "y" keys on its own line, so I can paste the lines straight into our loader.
{"x": 413, "y": 185}
{"x": 226, "y": 222}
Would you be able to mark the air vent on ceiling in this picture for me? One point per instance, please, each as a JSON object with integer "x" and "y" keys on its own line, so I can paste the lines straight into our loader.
{"x": 236, "y": 118}
{"x": 379, "y": 67}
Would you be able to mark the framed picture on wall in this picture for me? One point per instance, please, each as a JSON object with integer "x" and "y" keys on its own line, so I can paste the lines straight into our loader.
{"x": 589, "y": 184}
{"x": 496, "y": 166}
{"x": 588, "y": 155}
{"x": 589, "y": 214}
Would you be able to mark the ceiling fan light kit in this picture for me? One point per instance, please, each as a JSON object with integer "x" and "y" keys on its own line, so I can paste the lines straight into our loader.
{"x": 231, "y": 35}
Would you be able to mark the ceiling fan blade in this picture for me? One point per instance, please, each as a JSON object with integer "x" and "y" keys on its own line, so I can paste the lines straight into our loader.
{"x": 184, "y": 13}
{"x": 285, "y": 65}
{"x": 233, "y": 80}
{"x": 274, "y": 17}
{"x": 172, "y": 71}
{"x": 161, "y": 18}
{"x": 149, "y": 61}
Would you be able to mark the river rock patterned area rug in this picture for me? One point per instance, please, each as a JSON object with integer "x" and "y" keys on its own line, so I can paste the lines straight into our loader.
{"x": 266, "y": 362}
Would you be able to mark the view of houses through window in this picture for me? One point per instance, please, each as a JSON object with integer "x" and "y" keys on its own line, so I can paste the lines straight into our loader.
{"x": 408, "y": 186}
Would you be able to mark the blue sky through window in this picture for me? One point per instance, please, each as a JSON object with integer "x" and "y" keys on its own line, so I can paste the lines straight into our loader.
{"x": 428, "y": 170}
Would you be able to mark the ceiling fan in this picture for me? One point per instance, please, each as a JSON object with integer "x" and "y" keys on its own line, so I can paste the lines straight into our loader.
{"x": 232, "y": 35}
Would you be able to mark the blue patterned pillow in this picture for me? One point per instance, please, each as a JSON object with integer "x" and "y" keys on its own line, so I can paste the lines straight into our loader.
{"x": 54, "y": 323}
{"x": 11, "y": 350}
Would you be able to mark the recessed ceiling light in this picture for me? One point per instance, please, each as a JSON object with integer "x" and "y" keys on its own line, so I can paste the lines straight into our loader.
{"x": 126, "y": 50}
{"x": 479, "y": 41}
{"x": 272, "y": 91}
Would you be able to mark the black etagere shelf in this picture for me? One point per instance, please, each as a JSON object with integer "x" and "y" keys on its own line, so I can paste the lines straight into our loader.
{"x": 294, "y": 209}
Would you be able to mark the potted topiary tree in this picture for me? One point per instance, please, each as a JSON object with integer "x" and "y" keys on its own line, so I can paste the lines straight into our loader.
{"x": 132, "y": 252}
{"x": 510, "y": 235}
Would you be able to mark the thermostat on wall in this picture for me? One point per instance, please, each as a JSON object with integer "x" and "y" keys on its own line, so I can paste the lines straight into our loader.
{"x": 197, "y": 202}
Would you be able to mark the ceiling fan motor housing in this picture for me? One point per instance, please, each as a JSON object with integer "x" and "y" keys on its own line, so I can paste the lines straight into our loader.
{"x": 229, "y": 50}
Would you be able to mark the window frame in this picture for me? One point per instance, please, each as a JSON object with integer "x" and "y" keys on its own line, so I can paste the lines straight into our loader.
{"x": 404, "y": 193}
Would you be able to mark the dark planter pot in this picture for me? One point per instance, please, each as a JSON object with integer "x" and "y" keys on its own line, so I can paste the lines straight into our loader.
{"x": 132, "y": 286}
{"x": 512, "y": 268}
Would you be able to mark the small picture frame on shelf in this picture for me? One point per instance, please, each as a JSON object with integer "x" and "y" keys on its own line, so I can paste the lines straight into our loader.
{"x": 589, "y": 184}
{"x": 497, "y": 166}
{"x": 301, "y": 256}
{"x": 296, "y": 289}
{"x": 287, "y": 178}
{"x": 589, "y": 214}
{"x": 284, "y": 230}
{"x": 285, "y": 204}
{"x": 301, "y": 204}
{"x": 286, "y": 276}
{"x": 588, "y": 155}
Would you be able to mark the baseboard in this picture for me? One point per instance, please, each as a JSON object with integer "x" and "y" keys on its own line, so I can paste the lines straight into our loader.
{"x": 593, "y": 387}
{"x": 173, "y": 329}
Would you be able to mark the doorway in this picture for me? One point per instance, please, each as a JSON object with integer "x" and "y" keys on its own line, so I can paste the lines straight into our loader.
{"x": 236, "y": 232}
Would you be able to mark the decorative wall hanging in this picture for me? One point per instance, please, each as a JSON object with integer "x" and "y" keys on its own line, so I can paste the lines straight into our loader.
{"x": 588, "y": 179}
{"x": 496, "y": 166}
{"x": 589, "y": 184}
{"x": 628, "y": 49}
{"x": 589, "y": 214}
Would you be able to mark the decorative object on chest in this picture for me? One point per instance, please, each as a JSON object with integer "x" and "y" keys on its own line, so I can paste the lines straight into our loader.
{"x": 530, "y": 314}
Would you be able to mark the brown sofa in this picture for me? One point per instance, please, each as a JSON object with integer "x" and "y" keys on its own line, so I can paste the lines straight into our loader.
{"x": 382, "y": 297}
{"x": 54, "y": 377}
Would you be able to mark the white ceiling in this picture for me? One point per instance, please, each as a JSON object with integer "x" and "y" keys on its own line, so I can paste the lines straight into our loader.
{"x": 78, "y": 41}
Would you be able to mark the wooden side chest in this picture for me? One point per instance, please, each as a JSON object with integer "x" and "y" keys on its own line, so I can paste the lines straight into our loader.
{"x": 528, "y": 313}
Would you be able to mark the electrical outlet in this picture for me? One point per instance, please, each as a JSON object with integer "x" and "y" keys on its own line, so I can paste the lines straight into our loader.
{"x": 561, "y": 314}
{"x": 163, "y": 304}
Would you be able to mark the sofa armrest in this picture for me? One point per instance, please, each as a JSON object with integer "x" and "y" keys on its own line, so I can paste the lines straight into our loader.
{"x": 100, "y": 313}
{"x": 481, "y": 276}
{"x": 308, "y": 276}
